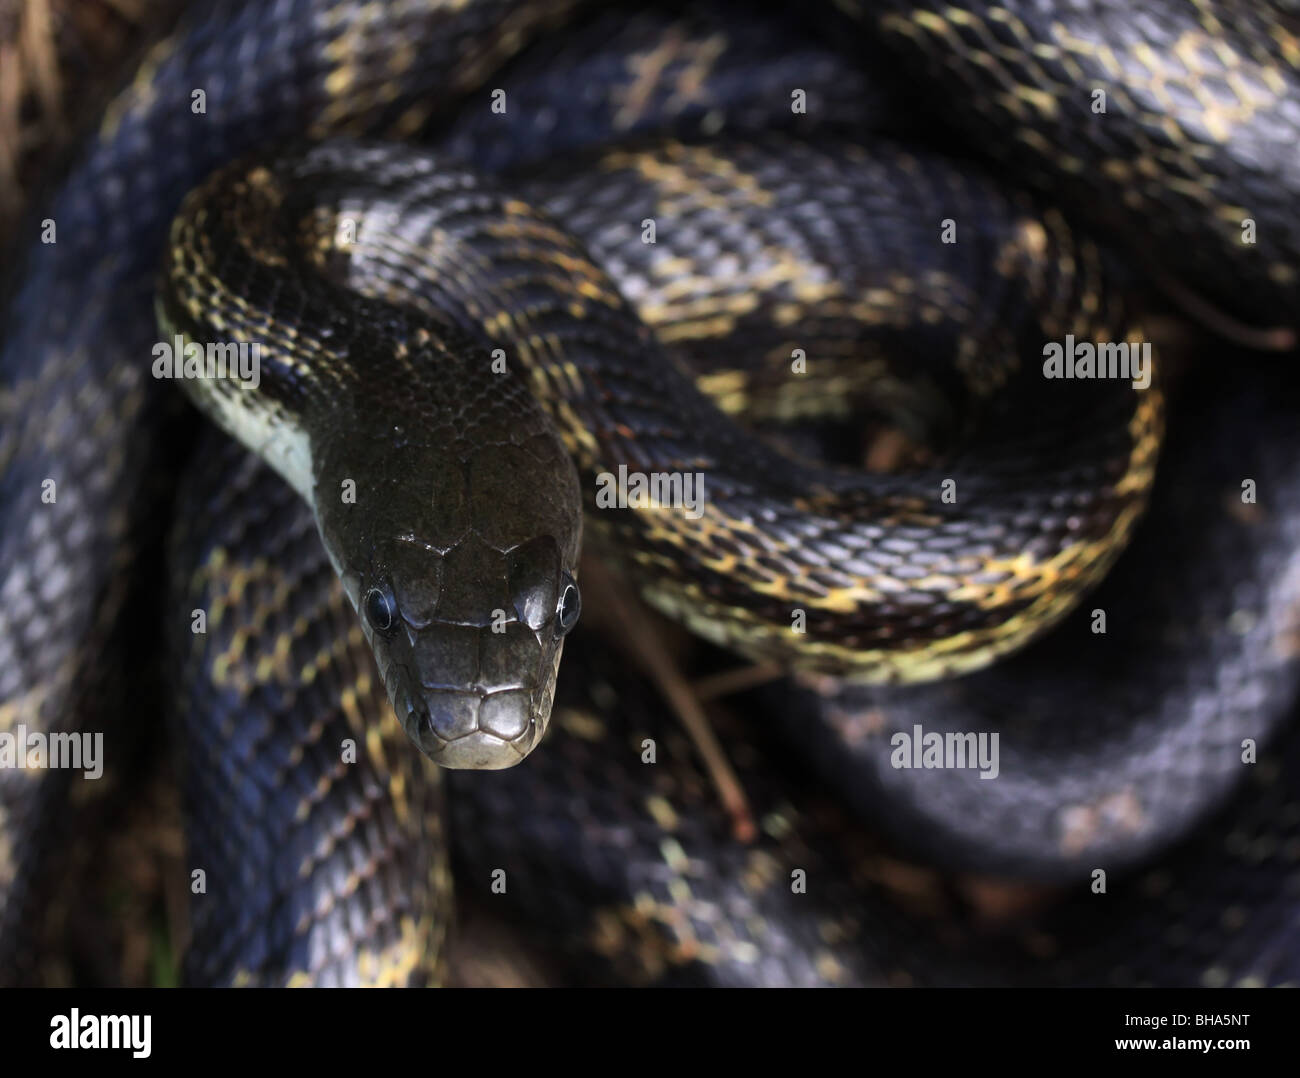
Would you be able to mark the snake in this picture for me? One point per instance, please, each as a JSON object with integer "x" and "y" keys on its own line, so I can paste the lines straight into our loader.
{"x": 471, "y": 334}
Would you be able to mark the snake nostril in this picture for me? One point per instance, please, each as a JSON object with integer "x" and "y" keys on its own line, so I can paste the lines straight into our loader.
{"x": 420, "y": 729}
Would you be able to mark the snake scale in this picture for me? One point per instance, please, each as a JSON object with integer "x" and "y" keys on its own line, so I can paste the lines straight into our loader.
{"x": 799, "y": 169}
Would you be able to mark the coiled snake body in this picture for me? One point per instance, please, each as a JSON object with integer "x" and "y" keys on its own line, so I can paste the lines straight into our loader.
{"x": 385, "y": 284}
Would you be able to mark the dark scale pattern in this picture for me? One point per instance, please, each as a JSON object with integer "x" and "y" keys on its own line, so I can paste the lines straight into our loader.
{"x": 627, "y": 872}
{"x": 690, "y": 68}
{"x": 888, "y": 569}
{"x": 316, "y": 828}
{"x": 1112, "y": 746}
{"x": 626, "y": 869}
{"x": 78, "y": 332}
{"x": 1198, "y": 134}
{"x": 629, "y": 861}
{"x": 835, "y": 250}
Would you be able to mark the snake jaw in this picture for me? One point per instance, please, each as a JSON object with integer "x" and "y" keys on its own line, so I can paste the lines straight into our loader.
{"x": 484, "y": 704}
{"x": 435, "y": 724}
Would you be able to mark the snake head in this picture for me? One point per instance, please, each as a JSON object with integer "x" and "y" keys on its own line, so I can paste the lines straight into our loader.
{"x": 471, "y": 675}
{"x": 460, "y": 556}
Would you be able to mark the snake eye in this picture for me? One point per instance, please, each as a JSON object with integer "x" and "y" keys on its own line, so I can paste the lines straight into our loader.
{"x": 380, "y": 609}
{"x": 569, "y": 606}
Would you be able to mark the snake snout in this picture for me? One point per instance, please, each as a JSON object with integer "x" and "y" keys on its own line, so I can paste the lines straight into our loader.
{"x": 472, "y": 731}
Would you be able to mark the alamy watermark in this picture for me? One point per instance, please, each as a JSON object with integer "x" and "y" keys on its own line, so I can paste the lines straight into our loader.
{"x": 23, "y": 748}
{"x": 950, "y": 751}
{"x": 238, "y": 361}
{"x": 653, "y": 490}
{"x": 1105, "y": 359}
{"x": 77, "y": 1030}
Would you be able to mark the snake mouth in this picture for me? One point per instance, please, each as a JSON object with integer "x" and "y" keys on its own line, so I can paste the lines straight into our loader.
{"x": 474, "y": 731}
